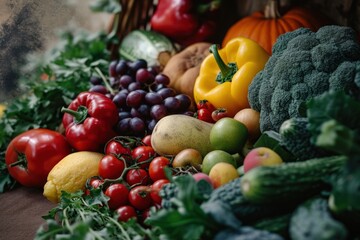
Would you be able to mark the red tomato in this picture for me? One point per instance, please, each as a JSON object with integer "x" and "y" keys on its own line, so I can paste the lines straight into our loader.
{"x": 156, "y": 168}
{"x": 93, "y": 183}
{"x": 143, "y": 153}
{"x": 205, "y": 115}
{"x": 137, "y": 176}
{"x": 125, "y": 213}
{"x": 205, "y": 104}
{"x": 111, "y": 167}
{"x": 144, "y": 215}
{"x": 117, "y": 148}
{"x": 118, "y": 194}
{"x": 155, "y": 189}
{"x": 32, "y": 154}
{"x": 147, "y": 140}
{"x": 219, "y": 113}
{"x": 139, "y": 197}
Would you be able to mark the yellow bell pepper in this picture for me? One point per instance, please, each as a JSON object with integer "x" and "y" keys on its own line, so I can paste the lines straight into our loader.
{"x": 226, "y": 85}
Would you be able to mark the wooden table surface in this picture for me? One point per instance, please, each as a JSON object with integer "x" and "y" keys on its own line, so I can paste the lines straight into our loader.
{"x": 21, "y": 211}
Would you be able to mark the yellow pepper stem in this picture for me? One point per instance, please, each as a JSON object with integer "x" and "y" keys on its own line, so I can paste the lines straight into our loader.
{"x": 226, "y": 71}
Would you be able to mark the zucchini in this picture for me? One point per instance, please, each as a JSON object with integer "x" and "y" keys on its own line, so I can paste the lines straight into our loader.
{"x": 151, "y": 46}
{"x": 313, "y": 220}
{"x": 291, "y": 182}
{"x": 247, "y": 212}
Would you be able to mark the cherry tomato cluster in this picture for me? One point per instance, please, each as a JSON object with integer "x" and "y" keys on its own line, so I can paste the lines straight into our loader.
{"x": 208, "y": 113}
{"x": 131, "y": 174}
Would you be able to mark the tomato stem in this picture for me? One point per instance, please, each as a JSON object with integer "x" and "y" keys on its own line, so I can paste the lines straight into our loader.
{"x": 22, "y": 161}
{"x": 126, "y": 169}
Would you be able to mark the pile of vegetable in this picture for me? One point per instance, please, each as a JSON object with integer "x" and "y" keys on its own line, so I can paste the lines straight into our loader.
{"x": 240, "y": 143}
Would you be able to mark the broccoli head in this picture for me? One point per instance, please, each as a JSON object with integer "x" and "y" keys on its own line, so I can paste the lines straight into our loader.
{"x": 305, "y": 64}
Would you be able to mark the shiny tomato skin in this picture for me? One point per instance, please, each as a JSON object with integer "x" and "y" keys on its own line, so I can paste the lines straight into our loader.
{"x": 115, "y": 147}
{"x": 118, "y": 194}
{"x": 147, "y": 140}
{"x": 111, "y": 167}
{"x": 137, "y": 176}
{"x": 41, "y": 149}
{"x": 155, "y": 189}
{"x": 143, "y": 153}
{"x": 205, "y": 104}
{"x": 139, "y": 197}
{"x": 205, "y": 115}
{"x": 125, "y": 213}
{"x": 156, "y": 168}
{"x": 219, "y": 114}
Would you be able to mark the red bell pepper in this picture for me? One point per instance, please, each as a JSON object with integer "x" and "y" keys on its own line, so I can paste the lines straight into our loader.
{"x": 31, "y": 155}
{"x": 89, "y": 121}
{"x": 185, "y": 21}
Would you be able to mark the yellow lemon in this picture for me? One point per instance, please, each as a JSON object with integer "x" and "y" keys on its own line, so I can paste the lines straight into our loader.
{"x": 71, "y": 173}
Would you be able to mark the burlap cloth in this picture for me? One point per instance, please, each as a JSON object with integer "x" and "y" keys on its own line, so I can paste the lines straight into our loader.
{"x": 21, "y": 211}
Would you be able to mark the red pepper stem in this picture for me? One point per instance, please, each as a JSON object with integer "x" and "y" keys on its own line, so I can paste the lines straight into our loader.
{"x": 79, "y": 115}
{"x": 226, "y": 71}
{"x": 208, "y": 7}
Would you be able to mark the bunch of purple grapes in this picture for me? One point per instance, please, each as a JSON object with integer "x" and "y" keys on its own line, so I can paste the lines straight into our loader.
{"x": 142, "y": 96}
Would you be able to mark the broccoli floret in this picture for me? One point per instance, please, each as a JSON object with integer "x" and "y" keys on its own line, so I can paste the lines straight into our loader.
{"x": 305, "y": 64}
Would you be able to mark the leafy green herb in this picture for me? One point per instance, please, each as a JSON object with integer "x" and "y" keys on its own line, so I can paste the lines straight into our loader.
{"x": 70, "y": 66}
{"x": 80, "y": 216}
{"x": 186, "y": 219}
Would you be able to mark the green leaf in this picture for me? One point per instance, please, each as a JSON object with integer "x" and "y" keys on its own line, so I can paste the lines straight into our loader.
{"x": 271, "y": 139}
{"x": 333, "y": 105}
{"x": 173, "y": 223}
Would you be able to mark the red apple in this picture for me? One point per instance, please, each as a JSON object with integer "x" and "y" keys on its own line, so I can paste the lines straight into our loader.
{"x": 198, "y": 176}
{"x": 261, "y": 156}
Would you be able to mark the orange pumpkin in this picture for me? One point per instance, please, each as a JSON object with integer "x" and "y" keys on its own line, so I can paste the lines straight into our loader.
{"x": 265, "y": 26}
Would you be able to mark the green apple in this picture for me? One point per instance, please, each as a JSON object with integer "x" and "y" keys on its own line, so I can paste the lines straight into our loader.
{"x": 228, "y": 135}
{"x": 214, "y": 157}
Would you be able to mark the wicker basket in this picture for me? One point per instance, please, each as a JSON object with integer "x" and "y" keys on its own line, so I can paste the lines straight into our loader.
{"x": 135, "y": 14}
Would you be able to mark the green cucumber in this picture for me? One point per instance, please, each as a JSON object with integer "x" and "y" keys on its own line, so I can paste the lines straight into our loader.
{"x": 151, "y": 46}
{"x": 244, "y": 210}
{"x": 289, "y": 182}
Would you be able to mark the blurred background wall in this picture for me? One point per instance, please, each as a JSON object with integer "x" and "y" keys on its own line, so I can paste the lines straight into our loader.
{"x": 28, "y": 26}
